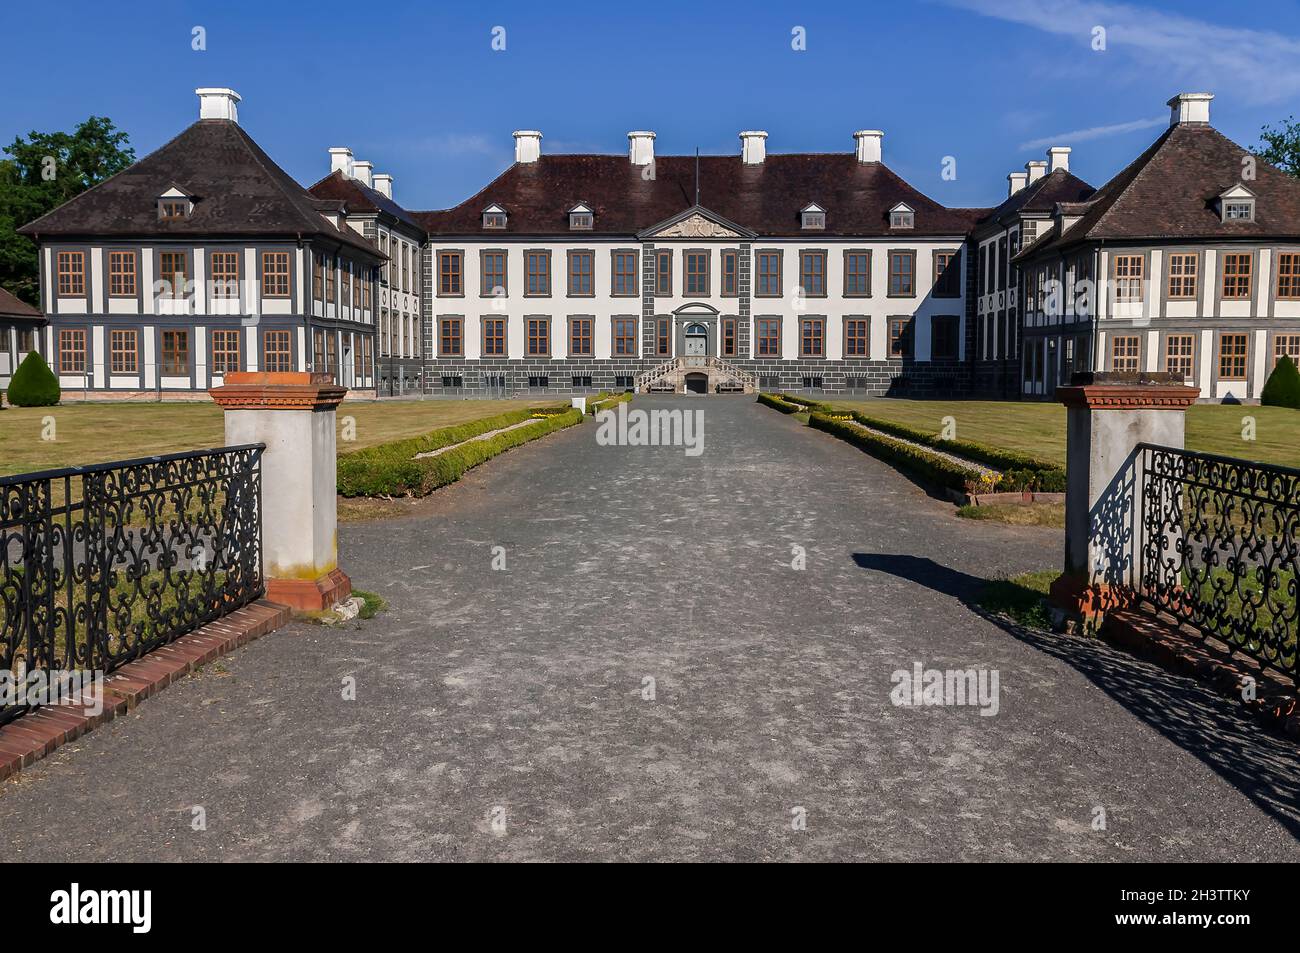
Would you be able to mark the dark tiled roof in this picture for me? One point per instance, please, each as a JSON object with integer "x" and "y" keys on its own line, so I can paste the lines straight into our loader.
{"x": 360, "y": 197}
{"x": 238, "y": 191}
{"x": 765, "y": 198}
{"x": 12, "y": 307}
{"x": 1042, "y": 196}
{"x": 1168, "y": 193}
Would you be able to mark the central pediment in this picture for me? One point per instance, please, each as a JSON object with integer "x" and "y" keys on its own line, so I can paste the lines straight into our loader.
{"x": 696, "y": 222}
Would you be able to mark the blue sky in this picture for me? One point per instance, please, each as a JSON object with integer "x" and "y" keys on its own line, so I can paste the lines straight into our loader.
{"x": 425, "y": 97}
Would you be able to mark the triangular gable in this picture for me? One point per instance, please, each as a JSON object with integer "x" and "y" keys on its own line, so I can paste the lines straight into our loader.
{"x": 696, "y": 222}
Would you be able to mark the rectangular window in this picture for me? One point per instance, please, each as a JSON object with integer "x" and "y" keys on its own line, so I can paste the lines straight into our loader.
{"x": 121, "y": 274}
{"x": 331, "y": 362}
{"x": 947, "y": 274}
{"x": 174, "y": 272}
{"x": 72, "y": 351}
{"x": 663, "y": 341}
{"x": 1232, "y": 356}
{"x": 855, "y": 337}
{"x": 1288, "y": 275}
{"x": 902, "y": 274}
{"x": 1180, "y": 349}
{"x": 663, "y": 273}
{"x": 1182, "y": 275}
{"x": 624, "y": 274}
{"x": 225, "y": 274}
{"x": 176, "y": 353}
{"x": 493, "y": 274}
{"x": 72, "y": 273}
{"x": 277, "y": 351}
{"x": 1126, "y": 352}
{"x": 581, "y": 283}
{"x": 728, "y": 337}
{"x": 449, "y": 337}
{"x": 812, "y": 273}
{"x": 1128, "y": 277}
{"x": 696, "y": 265}
{"x": 769, "y": 337}
{"x": 123, "y": 352}
{"x": 579, "y": 337}
{"x": 900, "y": 337}
{"x": 318, "y": 278}
{"x": 355, "y": 281}
{"x": 225, "y": 351}
{"x": 329, "y": 280}
{"x": 275, "y": 274}
{"x": 812, "y": 337}
{"x": 539, "y": 337}
{"x": 730, "y": 273}
{"x": 494, "y": 337}
{"x": 625, "y": 337}
{"x": 450, "y": 271}
{"x": 1286, "y": 345}
{"x": 943, "y": 337}
{"x": 538, "y": 268}
{"x": 1236, "y": 275}
{"x": 857, "y": 274}
{"x": 769, "y": 274}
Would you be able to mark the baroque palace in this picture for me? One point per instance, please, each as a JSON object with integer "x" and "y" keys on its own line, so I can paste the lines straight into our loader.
{"x": 574, "y": 273}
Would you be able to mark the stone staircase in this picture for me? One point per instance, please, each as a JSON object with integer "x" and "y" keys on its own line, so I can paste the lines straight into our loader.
{"x": 670, "y": 376}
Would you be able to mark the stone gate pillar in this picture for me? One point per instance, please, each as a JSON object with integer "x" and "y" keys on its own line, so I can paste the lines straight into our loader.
{"x": 1108, "y": 415}
{"x": 293, "y": 413}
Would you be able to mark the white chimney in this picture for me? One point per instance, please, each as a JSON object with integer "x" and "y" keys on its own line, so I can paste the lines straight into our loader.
{"x": 217, "y": 102}
{"x": 1036, "y": 170}
{"x": 868, "y": 141}
{"x": 1058, "y": 157}
{"x": 528, "y": 145}
{"x": 1189, "y": 107}
{"x": 641, "y": 147}
{"x": 753, "y": 146}
{"x": 361, "y": 172}
{"x": 341, "y": 160}
{"x": 384, "y": 185}
{"x": 1016, "y": 182}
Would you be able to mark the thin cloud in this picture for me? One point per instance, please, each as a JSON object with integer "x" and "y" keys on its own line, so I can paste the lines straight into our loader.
{"x": 1257, "y": 66}
{"x": 1096, "y": 132}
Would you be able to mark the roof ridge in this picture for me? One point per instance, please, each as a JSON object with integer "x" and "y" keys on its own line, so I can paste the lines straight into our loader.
{"x": 1132, "y": 171}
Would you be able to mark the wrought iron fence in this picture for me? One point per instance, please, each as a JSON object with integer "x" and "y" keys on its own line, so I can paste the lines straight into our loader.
{"x": 101, "y": 564}
{"x": 1220, "y": 549}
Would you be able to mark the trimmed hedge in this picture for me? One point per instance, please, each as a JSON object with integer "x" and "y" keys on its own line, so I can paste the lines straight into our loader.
{"x": 776, "y": 402}
{"x": 606, "y": 401}
{"x": 1282, "y": 389}
{"x": 34, "y": 384}
{"x": 812, "y": 405}
{"x": 994, "y": 457}
{"x": 930, "y": 466}
{"x": 391, "y": 469}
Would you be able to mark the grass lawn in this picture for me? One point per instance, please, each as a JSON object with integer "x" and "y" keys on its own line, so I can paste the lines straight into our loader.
{"x": 1039, "y": 428}
{"x": 96, "y": 433}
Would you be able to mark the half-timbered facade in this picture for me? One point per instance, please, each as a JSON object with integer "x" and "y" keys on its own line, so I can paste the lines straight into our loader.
{"x": 20, "y": 327}
{"x": 202, "y": 258}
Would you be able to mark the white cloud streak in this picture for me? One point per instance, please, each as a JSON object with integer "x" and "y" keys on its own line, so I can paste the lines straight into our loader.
{"x": 1253, "y": 66}
{"x": 1096, "y": 132}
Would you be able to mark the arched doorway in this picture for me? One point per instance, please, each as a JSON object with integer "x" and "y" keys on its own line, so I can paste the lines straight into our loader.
{"x": 696, "y": 340}
{"x": 697, "y": 383}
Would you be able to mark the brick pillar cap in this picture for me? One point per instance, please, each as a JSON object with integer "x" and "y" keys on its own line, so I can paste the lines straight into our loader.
{"x": 277, "y": 390}
{"x": 1127, "y": 390}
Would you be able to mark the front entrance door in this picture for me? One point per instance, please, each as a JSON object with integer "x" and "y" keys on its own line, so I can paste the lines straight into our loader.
{"x": 697, "y": 383}
{"x": 696, "y": 345}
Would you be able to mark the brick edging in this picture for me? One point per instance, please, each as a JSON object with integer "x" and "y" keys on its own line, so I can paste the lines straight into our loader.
{"x": 36, "y": 734}
{"x": 1163, "y": 643}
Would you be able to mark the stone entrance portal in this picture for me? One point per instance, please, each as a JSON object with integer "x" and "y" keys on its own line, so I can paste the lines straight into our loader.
{"x": 697, "y": 383}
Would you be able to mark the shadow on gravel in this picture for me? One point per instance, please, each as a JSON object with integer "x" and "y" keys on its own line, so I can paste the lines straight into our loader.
{"x": 1260, "y": 764}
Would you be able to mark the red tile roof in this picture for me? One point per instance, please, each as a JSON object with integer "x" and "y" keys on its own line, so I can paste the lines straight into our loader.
{"x": 765, "y": 198}
{"x": 13, "y": 307}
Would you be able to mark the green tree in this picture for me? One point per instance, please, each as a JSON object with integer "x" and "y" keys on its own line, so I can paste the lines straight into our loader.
{"x": 1281, "y": 146}
{"x": 34, "y": 384}
{"x": 41, "y": 173}
{"x": 1282, "y": 389}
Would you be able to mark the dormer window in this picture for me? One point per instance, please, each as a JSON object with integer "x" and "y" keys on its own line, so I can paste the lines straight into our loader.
{"x": 1237, "y": 204}
{"x": 174, "y": 206}
{"x": 813, "y": 217}
{"x": 902, "y": 216}
{"x": 494, "y": 216}
{"x": 581, "y": 219}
